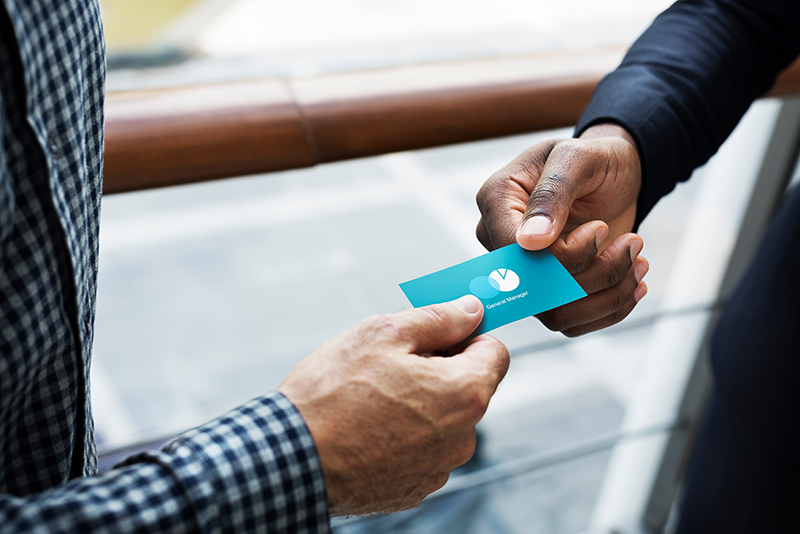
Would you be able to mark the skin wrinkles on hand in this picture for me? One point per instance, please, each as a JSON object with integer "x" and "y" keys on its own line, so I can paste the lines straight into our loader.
{"x": 389, "y": 424}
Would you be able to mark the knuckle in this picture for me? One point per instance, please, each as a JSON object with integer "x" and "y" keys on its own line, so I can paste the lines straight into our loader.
{"x": 435, "y": 314}
{"x": 547, "y": 192}
{"x": 614, "y": 270}
{"x": 582, "y": 259}
{"x": 494, "y": 344}
{"x": 472, "y": 396}
{"x": 431, "y": 483}
{"x": 554, "y": 320}
{"x": 532, "y": 159}
{"x": 605, "y": 322}
{"x": 476, "y": 403}
{"x": 621, "y": 293}
{"x": 486, "y": 192}
{"x": 466, "y": 450}
{"x": 618, "y": 299}
{"x": 438, "y": 481}
{"x": 572, "y": 333}
{"x": 414, "y": 500}
{"x": 622, "y": 313}
{"x": 494, "y": 190}
{"x": 381, "y": 326}
{"x": 504, "y": 358}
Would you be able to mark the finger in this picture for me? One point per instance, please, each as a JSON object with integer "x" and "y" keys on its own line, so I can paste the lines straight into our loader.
{"x": 578, "y": 250}
{"x": 466, "y": 443}
{"x": 612, "y": 318}
{"x": 503, "y": 198}
{"x": 564, "y": 178}
{"x": 438, "y": 326}
{"x": 484, "y": 357}
{"x": 609, "y": 267}
{"x": 598, "y": 305}
{"x": 431, "y": 483}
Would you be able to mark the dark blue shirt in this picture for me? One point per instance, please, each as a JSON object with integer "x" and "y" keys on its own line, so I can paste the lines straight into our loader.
{"x": 687, "y": 81}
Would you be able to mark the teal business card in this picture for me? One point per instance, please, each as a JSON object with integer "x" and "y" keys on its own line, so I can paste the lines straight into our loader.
{"x": 513, "y": 283}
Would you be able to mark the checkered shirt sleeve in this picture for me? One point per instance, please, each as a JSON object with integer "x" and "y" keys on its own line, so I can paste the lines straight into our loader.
{"x": 255, "y": 469}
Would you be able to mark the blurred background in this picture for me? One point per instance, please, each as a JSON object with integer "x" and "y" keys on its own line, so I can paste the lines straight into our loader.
{"x": 210, "y": 293}
{"x": 240, "y": 38}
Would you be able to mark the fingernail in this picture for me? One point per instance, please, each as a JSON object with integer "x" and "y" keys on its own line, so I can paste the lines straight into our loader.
{"x": 536, "y": 226}
{"x": 640, "y": 270}
{"x": 600, "y": 236}
{"x": 469, "y": 304}
{"x": 636, "y": 248}
{"x": 640, "y": 292}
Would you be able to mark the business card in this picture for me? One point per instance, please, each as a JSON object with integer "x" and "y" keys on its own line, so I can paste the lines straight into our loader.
{"x": 513, "y": 283}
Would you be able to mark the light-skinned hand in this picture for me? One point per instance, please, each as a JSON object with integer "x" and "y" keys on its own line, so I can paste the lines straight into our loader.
{"x": 576, "y": 197}
{"x": 390, "y": 416}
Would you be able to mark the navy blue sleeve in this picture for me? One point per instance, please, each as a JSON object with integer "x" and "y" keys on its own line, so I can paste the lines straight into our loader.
{"x": 687, "y": 81}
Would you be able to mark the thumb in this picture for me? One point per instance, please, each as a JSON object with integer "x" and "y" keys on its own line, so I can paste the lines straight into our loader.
{"x": 439, "y": 326}
{"x": 561, "y": 182}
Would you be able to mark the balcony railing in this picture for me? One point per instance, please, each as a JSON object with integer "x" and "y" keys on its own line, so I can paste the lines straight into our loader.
{"x": 175, "y": 136}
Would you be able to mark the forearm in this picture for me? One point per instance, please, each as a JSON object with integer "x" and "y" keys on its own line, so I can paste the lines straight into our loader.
{"x": 687, "y": 81}
{"x": 253, "y": 469}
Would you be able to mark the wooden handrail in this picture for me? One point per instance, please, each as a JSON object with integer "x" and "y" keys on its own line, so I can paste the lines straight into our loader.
{"x": 166, "y": 137}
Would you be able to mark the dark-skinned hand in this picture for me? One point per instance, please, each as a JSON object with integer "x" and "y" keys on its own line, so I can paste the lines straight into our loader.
{"x": 576, "y": 197}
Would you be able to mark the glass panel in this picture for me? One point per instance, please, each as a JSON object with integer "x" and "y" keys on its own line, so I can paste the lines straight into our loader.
{"x": 210, "y": 293}
{"x": 557, "y": 499}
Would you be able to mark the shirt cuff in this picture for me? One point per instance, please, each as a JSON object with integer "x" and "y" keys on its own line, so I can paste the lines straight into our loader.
{"x": 255, "y": 469}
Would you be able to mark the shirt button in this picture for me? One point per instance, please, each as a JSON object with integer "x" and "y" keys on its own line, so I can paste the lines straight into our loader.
{"x": 53, "y": 145}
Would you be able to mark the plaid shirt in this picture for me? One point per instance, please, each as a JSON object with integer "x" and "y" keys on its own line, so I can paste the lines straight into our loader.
{"x": 253, "y": 470}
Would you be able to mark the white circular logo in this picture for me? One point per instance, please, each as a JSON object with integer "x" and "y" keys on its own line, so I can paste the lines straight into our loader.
{"x": 506, "y": 279}
{"x": 488, "y": 287}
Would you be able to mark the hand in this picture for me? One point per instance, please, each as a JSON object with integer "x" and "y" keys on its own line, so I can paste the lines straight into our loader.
{"x": 556, "y": 186}
{"x": 612, "y": 279}
{"x": 578, "y": 197}
{"x": 389, "y": 418}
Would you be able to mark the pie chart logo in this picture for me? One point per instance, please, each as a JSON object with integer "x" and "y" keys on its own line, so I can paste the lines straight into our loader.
{"x": 487, "y": 287}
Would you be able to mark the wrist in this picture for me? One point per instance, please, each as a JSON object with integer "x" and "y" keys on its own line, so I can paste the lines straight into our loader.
{"x": 608, "y": 129}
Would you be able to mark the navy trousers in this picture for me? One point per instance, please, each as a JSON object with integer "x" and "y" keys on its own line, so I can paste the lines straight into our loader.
{"x": 745, "y": 471}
